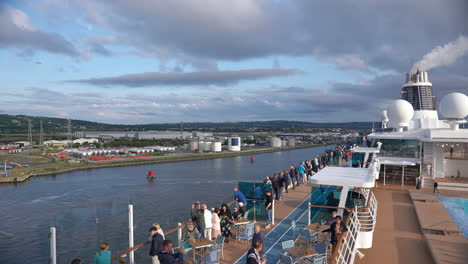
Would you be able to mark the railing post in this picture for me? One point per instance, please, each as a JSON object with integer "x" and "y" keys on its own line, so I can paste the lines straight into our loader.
{"x": 255, "y": 211}
{"x": 308, "y": 213}
{"x": 179, "y": 234}
{"x": 130, "y": 233}
{"x": 273, "y": 212}
{"x": 53, "y": 246}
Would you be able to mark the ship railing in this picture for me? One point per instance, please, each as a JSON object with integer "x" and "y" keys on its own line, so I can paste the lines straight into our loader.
{"x": 345, "y": 249}
{"x": 360, "y": 219}
{"x": 177, "y": 229}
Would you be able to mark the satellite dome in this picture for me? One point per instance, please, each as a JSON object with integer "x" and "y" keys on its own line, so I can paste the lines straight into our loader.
{"x": 400, "y": 113}
{"x": 454, "y": 106}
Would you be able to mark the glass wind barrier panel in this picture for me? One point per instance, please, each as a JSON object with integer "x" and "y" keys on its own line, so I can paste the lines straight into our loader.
{"x": 333, "y": 157}
{"x": 327, "y": 195}
{"x": 255, "y": 194}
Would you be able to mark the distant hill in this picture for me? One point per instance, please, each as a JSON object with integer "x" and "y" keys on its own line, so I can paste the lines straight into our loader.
{"x": 18, "y": 124}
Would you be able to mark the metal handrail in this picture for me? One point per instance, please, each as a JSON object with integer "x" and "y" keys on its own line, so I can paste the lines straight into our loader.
{"x": 371, "y": 208}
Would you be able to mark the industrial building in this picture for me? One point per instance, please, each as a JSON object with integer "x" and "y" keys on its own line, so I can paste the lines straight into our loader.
{"x": 138, "y": 135}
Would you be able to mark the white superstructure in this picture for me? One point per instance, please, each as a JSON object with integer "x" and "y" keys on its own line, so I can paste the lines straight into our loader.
{"x": 437, "y": 148}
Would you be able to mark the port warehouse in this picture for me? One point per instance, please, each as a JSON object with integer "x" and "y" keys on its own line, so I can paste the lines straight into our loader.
{"x": 139, "y": 135}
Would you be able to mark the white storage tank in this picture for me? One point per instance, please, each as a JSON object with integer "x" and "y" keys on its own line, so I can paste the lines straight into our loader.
{"x": 216, "y": 146}
{"x": 234, "y": 144}
{"x": 201, "y": 145}
{"x": 207, "y": 146}
{"x": 284, "y": 143}
{"x": 275, "y": 142}
{"x": 291, "y": 142}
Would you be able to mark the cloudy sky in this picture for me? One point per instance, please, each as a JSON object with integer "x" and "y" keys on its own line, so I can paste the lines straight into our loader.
{"x": 152, "y": 61}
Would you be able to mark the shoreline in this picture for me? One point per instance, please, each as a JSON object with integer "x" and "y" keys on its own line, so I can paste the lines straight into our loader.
{"x": 69, "y": 167}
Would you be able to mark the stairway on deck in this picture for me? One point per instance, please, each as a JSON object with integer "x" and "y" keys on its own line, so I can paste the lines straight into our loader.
{"x": 453, "y": 185}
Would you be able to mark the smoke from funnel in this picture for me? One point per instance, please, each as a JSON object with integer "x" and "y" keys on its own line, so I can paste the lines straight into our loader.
{"x": 443, "y": 55}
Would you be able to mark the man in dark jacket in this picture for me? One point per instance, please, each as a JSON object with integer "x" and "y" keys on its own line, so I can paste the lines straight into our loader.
{"x": 167, "y": 257}
{"x": 253, "y": 256}
{"x": 156, "y": 245}
{"x": 258, "y": 236}
{"x": 336, "y": 229}
{"x": 292, "y": 173}
{"x": 198, "y": 218}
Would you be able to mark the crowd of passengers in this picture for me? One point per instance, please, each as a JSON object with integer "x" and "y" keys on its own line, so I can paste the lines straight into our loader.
{"x": 219, "y": 221}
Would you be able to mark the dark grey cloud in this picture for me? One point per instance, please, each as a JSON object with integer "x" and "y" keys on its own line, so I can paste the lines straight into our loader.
{"x": 389, "y": 35}
{"x": 16, "y": 31}
{"x": 186, "y": 78}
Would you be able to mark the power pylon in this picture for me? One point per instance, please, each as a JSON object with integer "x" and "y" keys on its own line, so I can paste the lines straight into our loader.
{"x": 41, "y": 133}
{"x": 30, "y": 140}
{"x": 69, "y": 134}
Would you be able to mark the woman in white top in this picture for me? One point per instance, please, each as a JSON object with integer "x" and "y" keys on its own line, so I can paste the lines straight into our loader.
{"x": 216, "y": 226}
{"x": 160, "y": 231}
{"x": 208, "y": 225}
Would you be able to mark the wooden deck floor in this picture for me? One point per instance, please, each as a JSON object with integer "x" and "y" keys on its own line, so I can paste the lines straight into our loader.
{"x": 397, "y": 236}
{"x": 448, "y": 249}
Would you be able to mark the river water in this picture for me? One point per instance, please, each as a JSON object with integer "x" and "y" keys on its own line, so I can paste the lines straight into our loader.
{"x": 91, "y": 206}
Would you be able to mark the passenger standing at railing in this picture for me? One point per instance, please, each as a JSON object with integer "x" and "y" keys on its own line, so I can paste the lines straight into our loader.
{"x": 286, "y": 180}
{"x": 160, "y": 231}
{"x": 308, "y": 165}
{"x": 240, "y": 198}
{"x": 258, "y": 236}
{"x": 336, "y": 229}
{"x": 301, "y": 169}
{"x": 293, "y": 176}
{"x": 198, "y": 218}
{"x": 331, "y": 218}
{"x": 275, "y": 184}
{"x": 315, "y": 164}
{"x": 253, "y": 255}
{"x": 280, "y": 185}
{"x": 103, "y": 256}
{"x": 216, "y": 227}
{"x": 268, "y": 208}
{"x": 156, "y": 244}
{"x": 208, "y": 224}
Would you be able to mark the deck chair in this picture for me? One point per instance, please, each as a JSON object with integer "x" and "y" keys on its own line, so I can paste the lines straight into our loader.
{"x": 305, "y": 235}
{"x": 211, "y": 257}
{"x": 294, "y": 227}
{"x": 319, "y": 259}
{"x": 287, "y": 259}
{"x": 219, "y": 246}
{"x": 248, "y": 234}
{"x": 287, "y": 244}
{"x": 187, "y": 248}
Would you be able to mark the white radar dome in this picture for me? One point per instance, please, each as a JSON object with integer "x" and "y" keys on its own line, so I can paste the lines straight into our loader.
{"x": 400, "y": 113}
{"x": 454, "y": 106}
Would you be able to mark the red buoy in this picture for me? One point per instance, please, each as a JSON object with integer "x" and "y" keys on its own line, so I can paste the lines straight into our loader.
{"x": 252, "y": 158}
{"x": 151, "y": 174}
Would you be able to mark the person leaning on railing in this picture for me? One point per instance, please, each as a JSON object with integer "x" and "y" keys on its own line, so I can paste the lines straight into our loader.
{"x": 156, "y": 244}
{"x": 336, "y": 229}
